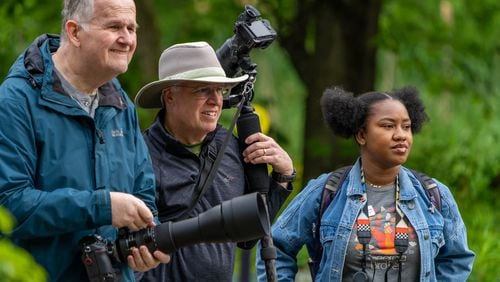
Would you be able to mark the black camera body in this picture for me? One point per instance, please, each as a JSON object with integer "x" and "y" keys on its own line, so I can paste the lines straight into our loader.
{"x": 250, "y": 31}
{"x": 98, "y": 258}
{"x": 243, "y": 218}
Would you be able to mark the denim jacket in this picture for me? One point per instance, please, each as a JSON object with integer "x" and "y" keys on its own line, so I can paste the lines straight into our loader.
{"x": 442, "y": 237}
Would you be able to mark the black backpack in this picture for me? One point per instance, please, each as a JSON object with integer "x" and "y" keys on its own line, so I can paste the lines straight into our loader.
{"x": 334, "y": 182}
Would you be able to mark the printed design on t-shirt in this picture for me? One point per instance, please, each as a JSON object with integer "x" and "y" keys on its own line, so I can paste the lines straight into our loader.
{"x": 382, "y": 223}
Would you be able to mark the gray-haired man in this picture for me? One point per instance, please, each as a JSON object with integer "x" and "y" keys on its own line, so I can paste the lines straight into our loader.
{"x": 190, "y": 94}
{"x": 64, "y": 172}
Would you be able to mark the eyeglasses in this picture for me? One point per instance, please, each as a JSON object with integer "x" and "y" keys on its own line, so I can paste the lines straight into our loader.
{"x": 203, "y": 92}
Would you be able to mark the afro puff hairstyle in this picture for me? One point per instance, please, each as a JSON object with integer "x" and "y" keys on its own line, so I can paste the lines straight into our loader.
{"x": 346, "y": 114}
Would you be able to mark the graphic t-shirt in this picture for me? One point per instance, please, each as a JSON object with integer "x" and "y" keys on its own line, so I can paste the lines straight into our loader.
{"x": 381, "y": 255}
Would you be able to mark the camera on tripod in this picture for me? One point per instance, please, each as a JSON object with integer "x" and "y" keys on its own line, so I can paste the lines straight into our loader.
{"x": 240, "y": 219}
{"x": 250, "y": 31}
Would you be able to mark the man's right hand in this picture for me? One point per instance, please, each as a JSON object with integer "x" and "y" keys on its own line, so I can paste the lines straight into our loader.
{"x": 129, "y": 211}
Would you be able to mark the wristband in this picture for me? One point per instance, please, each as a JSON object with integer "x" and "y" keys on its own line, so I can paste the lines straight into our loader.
{"x": 280, "y": 178}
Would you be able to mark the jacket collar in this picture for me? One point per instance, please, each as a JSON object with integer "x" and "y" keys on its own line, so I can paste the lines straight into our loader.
{"x": 407, "y": 189}
{"x": 40, "y": 67}
{"x": 163, "y": 140}
{"x": 354, "y": 177}
{"x": 407, "y": 183}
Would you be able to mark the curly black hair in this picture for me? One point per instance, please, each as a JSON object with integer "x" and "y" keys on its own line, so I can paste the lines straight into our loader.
{"x": 346, "y": 114}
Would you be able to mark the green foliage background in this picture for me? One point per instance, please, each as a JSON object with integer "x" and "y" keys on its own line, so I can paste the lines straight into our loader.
{"x": 449, "y": 49}
{"x": 15, "y": 263}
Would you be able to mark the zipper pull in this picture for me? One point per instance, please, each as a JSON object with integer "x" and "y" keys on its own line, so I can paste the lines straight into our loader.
{"x": 100, "y": 136}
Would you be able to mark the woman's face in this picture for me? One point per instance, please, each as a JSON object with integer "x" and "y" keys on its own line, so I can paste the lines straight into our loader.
{"x": 386, "y": 138}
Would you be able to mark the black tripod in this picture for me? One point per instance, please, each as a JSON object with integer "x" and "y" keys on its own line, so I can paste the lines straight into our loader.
{"x": 257, "y": 175}
{"x": 250, "y": 32}
{"x": 258, "y": 178}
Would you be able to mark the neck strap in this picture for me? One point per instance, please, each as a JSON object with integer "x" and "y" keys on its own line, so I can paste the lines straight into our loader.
{"x": 401, "y": 237}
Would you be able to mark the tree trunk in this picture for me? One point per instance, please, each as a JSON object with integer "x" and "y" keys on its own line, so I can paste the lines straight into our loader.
{"x": 330, "y": 42}
{"x": 148, "y": 47}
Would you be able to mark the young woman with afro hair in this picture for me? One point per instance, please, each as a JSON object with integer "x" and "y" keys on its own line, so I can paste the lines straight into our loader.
{"x": 381, "y": 224}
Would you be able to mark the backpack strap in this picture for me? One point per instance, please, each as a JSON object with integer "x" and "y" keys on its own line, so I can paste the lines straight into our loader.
{"x": 431, "y": 189}
{"x": 332, "y": 185}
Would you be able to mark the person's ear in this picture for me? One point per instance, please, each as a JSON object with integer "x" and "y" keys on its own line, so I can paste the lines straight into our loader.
{"x": 72, "y": 29}
{"x": 166, "y": 96}
{"x": 361, "y": 137}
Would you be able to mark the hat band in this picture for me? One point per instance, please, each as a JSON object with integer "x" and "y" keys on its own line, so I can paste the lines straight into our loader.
{"x": 198, "y": 74}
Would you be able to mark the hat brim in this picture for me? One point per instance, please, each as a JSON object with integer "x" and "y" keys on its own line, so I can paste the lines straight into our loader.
{"x": 149, "y": 96}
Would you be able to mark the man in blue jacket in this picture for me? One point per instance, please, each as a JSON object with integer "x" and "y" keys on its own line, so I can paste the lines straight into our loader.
{"x": 72, "y": 158}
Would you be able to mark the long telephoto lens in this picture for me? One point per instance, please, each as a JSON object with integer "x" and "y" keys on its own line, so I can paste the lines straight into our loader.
{"x": 240, "y": 219}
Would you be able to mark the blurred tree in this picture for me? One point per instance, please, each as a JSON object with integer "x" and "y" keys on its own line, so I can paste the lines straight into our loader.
{"x": 148, "y": 41}
{"x": 329, "y": 43}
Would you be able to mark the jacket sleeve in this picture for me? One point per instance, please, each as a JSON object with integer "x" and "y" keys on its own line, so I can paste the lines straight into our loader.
{"x": 277, "y": 196}
{"x": 38, "y": 212}
{"x": 144, "y": 185}
{"x": 292, "y": 230}
{"x": 454, "y": 260}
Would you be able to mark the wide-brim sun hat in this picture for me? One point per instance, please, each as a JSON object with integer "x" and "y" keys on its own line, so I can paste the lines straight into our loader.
{"x": 185, "y": 62}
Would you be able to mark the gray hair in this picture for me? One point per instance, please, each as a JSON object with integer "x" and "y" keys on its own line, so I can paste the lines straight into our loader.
{"x": 79, "y": 10}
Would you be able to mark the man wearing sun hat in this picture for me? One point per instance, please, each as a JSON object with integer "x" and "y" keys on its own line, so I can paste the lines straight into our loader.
{"x": 183, "y": 141}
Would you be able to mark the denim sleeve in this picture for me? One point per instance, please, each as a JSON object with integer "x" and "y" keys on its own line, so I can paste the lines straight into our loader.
{"x": 292, "y": 230}
{"x": 454, "y": 260}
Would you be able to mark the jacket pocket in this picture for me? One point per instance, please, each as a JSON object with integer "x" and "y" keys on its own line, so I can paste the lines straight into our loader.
{"x": 333, "y": 239}
{"x": 437, "y": 239}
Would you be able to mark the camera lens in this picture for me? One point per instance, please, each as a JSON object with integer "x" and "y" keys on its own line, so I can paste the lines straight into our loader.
{"x": 136, "y": 239}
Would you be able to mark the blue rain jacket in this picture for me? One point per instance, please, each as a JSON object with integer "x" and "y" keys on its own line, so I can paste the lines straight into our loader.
{"x": 58, "y": 164}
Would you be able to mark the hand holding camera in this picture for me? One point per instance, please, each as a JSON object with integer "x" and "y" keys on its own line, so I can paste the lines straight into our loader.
{"x": 129, "y": 211}
{"x": 242, "y": 218}
{"x": 142, "y": 259}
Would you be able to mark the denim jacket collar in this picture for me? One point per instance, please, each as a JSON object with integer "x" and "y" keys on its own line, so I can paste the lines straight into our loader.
{"x": 354, "y": 177}
{"x": 407, "y": 191}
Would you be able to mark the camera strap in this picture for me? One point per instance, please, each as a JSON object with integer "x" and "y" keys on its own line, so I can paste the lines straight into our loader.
{"x": 364, "y": 232}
